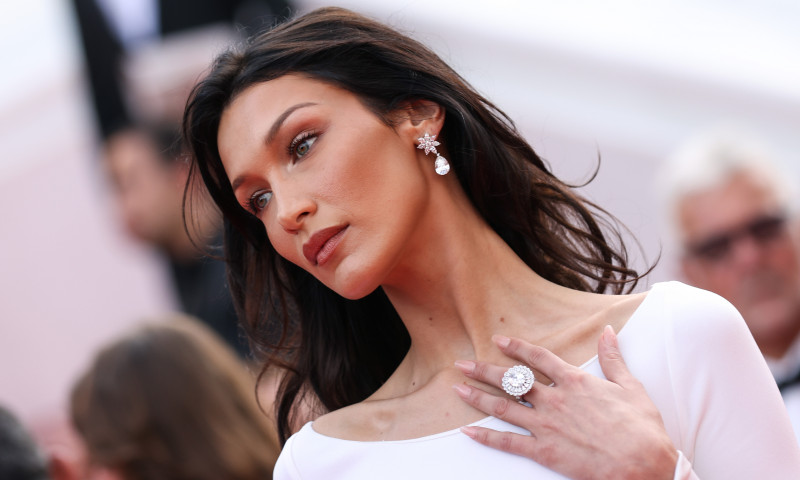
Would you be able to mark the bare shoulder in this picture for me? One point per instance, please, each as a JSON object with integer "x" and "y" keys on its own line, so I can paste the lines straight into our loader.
{"x": 622, "y": 307}
{"x": 580, "y": 322}
{"x": 600, "y": 310}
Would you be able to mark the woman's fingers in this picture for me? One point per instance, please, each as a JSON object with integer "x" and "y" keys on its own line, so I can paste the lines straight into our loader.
{"x": 611, "y": 361}
{"x": 485, "y": 372}
{"x": 541, "y": 359}
{"x": 505, "y": 408}
{"x": 534, "y": 356}
{"x": 549, "y": 364}
{"x": 505, "y": 441}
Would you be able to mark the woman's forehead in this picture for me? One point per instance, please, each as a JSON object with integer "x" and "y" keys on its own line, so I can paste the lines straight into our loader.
{"x": 279, "y": 93}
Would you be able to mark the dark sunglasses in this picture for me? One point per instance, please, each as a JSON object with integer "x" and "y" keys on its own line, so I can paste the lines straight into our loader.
{"x": 717, "y": 248}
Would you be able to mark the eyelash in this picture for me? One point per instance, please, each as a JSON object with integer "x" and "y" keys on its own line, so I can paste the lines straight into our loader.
{"x": 249, "y": 205}
{"x": 298, "y": 140}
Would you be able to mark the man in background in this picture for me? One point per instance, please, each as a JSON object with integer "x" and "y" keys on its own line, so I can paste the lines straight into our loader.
{"x": 734, "y": 218}
{"x": 141, "y": 59}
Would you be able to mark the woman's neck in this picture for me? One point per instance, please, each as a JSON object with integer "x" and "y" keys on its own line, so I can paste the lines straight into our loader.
{"x": 453, "y": 298}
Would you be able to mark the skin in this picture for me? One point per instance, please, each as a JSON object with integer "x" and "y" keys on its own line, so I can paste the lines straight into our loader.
{"x": 761, "y": 280}
{"x": 149, "y": 194}
{"x": 415, "y": 234}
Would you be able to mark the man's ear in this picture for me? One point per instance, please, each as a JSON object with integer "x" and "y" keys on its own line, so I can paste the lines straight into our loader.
{"x": 418, "y": 117}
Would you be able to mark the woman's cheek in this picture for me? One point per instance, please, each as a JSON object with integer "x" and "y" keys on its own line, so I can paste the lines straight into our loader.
{"x": 283, "y": 243}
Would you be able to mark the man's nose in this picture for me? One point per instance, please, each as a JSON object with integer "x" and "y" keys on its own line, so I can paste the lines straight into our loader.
{"x": 747, "y": 253}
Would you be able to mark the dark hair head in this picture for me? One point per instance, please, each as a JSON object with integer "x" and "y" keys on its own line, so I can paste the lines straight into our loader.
{"x": 334, "y": 346}
{"x": 171, "y": 401}
{"x": 20, "y": 457}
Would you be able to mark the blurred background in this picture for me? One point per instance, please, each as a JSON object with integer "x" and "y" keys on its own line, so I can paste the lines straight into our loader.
{"x": 622, "y": 80}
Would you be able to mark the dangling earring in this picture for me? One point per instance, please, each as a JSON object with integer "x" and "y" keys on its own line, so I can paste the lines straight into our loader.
{"x": 429, "y": 143}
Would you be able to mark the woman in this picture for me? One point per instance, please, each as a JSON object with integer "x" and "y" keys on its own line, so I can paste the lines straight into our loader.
{"x": 409, "y": 241}
{"x": 171, "y": 401}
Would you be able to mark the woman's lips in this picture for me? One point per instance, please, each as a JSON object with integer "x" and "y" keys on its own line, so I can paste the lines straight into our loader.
{"x": 319, "y": 248}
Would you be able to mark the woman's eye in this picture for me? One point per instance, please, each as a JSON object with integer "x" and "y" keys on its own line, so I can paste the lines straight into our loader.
{"x": 302, "y": 147}
{"x": 260, "y": 200}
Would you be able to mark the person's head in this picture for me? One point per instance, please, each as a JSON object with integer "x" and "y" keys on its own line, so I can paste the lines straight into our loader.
{"x": 171, "y": 401}
{"x": 20, "y": 457}
{"x": 355, "y": 95}
{"x": 731, "y": 209}
{"x": 148, "y": 179}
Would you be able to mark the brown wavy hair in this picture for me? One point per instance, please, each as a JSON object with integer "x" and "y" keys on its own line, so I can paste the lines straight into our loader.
{"x": 171, "y": 401}
{"x": 342, "y": 350}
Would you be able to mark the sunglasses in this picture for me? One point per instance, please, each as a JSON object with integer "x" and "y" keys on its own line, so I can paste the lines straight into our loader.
{"x": 718, "y": 247}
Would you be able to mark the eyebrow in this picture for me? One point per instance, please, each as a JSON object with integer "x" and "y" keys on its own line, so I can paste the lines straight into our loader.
{"x": 273, "y": 131}
{"x": 282, "y": 118}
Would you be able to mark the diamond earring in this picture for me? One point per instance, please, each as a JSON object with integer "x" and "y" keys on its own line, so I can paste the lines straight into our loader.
{"x": 429, "y": 143}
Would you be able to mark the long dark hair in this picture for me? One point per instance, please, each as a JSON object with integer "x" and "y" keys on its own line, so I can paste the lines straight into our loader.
{"x": 343, "y": 350}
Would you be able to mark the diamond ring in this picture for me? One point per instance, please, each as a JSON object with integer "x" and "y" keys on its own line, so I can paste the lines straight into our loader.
{"x": 517, "y": 381}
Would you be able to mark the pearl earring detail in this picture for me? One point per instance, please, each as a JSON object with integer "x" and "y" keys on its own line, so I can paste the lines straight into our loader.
{"x": 429, "y": 143}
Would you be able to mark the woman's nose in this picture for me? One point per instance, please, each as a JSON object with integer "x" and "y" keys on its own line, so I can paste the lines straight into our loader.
{"x": 293, "y": 208}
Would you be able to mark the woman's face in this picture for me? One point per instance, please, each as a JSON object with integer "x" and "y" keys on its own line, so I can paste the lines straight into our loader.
{"x": 339, "y": 192}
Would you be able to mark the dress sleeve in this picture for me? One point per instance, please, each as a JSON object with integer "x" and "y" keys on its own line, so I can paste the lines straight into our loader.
{"x": 285, "y": 468}
{"x": 733, "y": 422}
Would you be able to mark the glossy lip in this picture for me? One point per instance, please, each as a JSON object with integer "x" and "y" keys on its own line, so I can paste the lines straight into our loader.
{"x": 319, "y": 248}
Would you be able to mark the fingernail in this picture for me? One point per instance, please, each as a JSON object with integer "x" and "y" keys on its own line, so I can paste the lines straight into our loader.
{"x": 609, "y": 336}
{"x": 462, "y": 390}
{"x": 465, "y": 366}
{"x": 469, "y": 431}
{"x": 501, "y": 341}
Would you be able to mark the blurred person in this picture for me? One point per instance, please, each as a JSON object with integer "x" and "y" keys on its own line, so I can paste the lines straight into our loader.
{"x": 170, "y": 401}
{"x": 148, "y": 180}
{"x": 114, "y": 34}
{"x": 734, "y": 216}
{"x": 141, "y": 59}
{"x": 20, "y": 456}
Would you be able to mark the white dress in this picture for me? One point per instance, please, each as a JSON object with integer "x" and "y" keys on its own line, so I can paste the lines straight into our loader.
{"x": 699, "y": 364}
{"x": 783, "y": 369}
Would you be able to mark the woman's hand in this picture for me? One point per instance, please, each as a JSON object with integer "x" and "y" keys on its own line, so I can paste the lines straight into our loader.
{"x": 582, "y": 426}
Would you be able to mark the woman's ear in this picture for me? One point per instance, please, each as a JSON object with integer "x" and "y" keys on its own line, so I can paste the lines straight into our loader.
{"x": 418, "y": 117}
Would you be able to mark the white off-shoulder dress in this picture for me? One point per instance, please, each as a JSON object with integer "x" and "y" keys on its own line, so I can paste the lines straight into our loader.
{"x": 699, "y": 364}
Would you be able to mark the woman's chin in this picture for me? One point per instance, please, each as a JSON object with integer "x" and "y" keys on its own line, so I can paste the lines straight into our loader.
{"x": 355, "y": 293}
{"x": 353, "y": 288}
